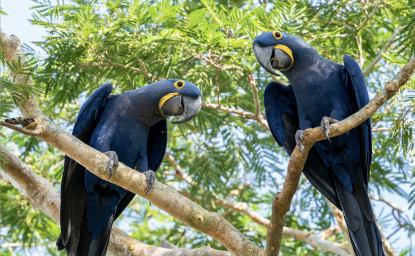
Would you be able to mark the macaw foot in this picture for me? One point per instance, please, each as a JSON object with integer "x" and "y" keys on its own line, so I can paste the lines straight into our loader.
{"x": 113, "y": 162}
{"x": 19, "y": 120}
{"x": 150, "y": 178}
{"x": 299, "y": 139}
{"x": 325, "y": 125}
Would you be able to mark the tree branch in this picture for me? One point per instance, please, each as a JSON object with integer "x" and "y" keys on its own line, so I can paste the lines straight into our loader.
{"x": 274, "y": 238}
{"x": 395, "y": 207}
{"x": 21, "y": 130}
{"x": 247, "y": 115}
{"x": 342, "y": 224}
{"x": 368, "y": 16}
{"x": 251, "y": 80}
{"x": 297, "y": 159}
{"x": 160, "y": 195}
{"x": 384, "y": 49}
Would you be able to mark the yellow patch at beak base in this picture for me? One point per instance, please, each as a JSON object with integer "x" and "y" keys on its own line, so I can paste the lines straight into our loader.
{"x": 166, "y": 98}
{"x": 287, "y": 51}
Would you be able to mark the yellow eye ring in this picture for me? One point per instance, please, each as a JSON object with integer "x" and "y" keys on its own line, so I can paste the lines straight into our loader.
{"x": 179, "y": 84}
{"x": 277, "y": 35}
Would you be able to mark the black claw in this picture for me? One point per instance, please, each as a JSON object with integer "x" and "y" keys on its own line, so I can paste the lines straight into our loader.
{"x": 112, "y": 163}
{"x": 148, "y": 188}
{"x": 150, "y": 178}
{"x": 298, "y": 140}
{"x": 325, "y": 125}
{"x": 110, "y": 170}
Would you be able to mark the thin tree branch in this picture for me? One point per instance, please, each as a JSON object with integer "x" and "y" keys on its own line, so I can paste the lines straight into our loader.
{"x": 368, "y": 16}
{"x": 215, "y": 63}
{"x": 22, "y": 130}
{"x": 330, "y": 232}
{"x": 111, "y": 64}
{"x": 384, "y": 49}
{"x": 251, "y": 80}
{"x": 395, "y": 207}
{"x": 179, "y": 172}
{"x": 386, "y": 245}
{"x": 360, "y": 59}
{"x": 273, "y": 238}
{"x": 41, "y": 194}
{"x": 380, "y": 129}
{"x": 247, "y": 115}
{"x": 217, "y": 85}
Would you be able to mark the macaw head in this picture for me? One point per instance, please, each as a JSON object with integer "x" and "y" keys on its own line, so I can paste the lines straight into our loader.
{"x": 173, "y": 97}
{"x": 282, "y": 51}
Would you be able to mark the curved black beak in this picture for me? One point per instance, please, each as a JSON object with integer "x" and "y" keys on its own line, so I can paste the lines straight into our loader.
{"x": 270, "y": 58}
{"x": 263, "y": 55}
{"x": 191, "y": 107}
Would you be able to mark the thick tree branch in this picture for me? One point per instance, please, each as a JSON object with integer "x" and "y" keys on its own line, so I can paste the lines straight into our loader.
{"x": 384, "y": 49}
{"x": 297, "y": 159}
{"x": 160, "y": 195}
{"x": 41, "y": 194}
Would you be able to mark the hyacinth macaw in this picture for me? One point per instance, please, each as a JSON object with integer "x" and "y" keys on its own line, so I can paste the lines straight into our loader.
{"x": 320, "y": 93}
{"x": 129, "y": 127}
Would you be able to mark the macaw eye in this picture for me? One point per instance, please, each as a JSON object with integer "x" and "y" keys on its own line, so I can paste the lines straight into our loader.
{"x": 277, "y": 35}
{"x": 179, "y": 84}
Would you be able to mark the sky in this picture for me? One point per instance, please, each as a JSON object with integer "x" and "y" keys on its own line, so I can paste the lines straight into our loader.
{"x": 16, "y": 23}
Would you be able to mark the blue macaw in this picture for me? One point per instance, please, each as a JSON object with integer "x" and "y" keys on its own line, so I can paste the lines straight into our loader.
{"x": 320, "y": 93}
{"x": 129, "y": 127}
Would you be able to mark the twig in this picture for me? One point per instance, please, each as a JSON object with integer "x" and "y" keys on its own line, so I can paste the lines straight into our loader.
{"x": 360, "y": 59}
{"x": 179, "y": 172}
{"x": 35, "y": 132}
{"x": 386, "y": 110}
{"x": 386, "y": 245}
{"x": 242, "y": 113}
{"x": 102, "y": 57}
{"x": 380, "y": 129}
{"x": 215, "y": 63}
{"x": 386, "y": 202}
{"x": 368, "y": 16}
{"x": 251, "y": 80}
{"x": 217, "y": 85}
{"x": 384, "y": 49}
